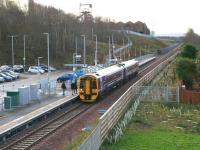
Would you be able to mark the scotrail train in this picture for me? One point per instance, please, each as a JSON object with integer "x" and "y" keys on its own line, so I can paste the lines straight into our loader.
{"x": 94, "y": 85}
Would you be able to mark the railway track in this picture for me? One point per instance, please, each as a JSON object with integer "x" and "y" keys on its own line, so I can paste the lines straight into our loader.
{"x": 33, "y": 137}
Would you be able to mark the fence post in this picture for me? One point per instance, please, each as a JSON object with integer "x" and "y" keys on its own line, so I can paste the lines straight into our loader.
{"x": 178, "y": 94}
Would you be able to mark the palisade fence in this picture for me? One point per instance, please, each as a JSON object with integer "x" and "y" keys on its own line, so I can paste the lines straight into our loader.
{"x": 110, "y": 118}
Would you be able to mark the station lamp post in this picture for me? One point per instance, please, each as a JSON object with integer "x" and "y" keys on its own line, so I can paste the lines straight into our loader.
{"x": 24, "y": 58}
{"x": 13, "y": 59}
{"x": 47, "y": 54}
{"x": 95, "y": 61}
{"x": 84, "y": 48}
{"x": 109, "y": 55}
{"x": 48, "y": 73}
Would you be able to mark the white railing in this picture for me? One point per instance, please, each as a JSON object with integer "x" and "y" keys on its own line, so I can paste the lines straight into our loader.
{"x": 115, "y": 112}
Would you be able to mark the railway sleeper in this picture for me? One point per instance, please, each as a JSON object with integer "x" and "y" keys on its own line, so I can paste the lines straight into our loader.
{"x": 42, "y": 133}
{"x": 35, "y": 138}
{"x": 58, "y": 123}
{"x": 28, "y": 143}
{"x": 17, "y": 148}
{"x": 50, "y": 128}
{"x": 54, "y": 126}
{"x": 30, "y": 140}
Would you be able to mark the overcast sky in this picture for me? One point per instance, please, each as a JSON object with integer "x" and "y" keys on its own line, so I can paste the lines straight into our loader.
{"x": 161, "y": 16}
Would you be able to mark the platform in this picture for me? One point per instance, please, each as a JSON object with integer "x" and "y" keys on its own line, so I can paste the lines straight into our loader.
{"x": 19, "y": 116}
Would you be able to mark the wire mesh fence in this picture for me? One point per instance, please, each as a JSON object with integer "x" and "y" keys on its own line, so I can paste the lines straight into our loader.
{"x": 160, "y": 94}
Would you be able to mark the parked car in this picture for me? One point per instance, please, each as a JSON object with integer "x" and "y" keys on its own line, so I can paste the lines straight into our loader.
{"x": 35, "y": 69}
{"x": 17, "y": 75}
{"x": 7, "y": 78}
{"x": 5, "y": 67}
{"x": 67, "y": 76}
{"x": 52, "y": 68}
{"x": 2, "y": 79}
{"x": 18, "y": 68}
{"x": 45, "y": 68}
{"x": 8, "y": 74}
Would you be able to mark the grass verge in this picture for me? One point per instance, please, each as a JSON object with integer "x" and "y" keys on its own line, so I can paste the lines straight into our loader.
{"x": 161, "y": 127}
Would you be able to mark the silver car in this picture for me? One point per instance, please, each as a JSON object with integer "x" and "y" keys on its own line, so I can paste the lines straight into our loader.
{"x": 2, "y": 79}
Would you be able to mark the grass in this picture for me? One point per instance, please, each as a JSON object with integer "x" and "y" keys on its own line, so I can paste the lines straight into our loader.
{"x": 157, "y": 126}
{"x": 76, "y": 142}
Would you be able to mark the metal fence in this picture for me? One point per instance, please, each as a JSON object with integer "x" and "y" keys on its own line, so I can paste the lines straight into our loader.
{"x": 160, "y": 94}
{"x": 115, "y": 112}
{"x": 93, "y": 142}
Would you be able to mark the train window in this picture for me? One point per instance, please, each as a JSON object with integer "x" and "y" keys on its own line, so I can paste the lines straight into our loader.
{"x": 82, "y": 84}
{"x": 94, "y": 85}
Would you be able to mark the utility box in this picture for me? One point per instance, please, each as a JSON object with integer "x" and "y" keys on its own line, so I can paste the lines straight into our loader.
{"x": 34, "y": 91}
{"x": 24, "y": 95}
{"x": 14, "y": 97}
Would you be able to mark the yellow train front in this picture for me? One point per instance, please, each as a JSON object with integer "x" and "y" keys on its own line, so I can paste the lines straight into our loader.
{"x": 88, "y": 88}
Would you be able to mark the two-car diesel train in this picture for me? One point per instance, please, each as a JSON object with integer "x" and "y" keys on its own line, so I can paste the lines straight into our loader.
{"x": 94, "y": 85}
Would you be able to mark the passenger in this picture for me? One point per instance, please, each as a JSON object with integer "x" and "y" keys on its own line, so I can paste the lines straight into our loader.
{"x": 75, "y": 86}
{"x": 63, "y": 86}
{"x": 72, "y": 87}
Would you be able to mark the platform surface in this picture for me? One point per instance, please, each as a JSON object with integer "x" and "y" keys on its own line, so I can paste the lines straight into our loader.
{"x": 12, "y": 118}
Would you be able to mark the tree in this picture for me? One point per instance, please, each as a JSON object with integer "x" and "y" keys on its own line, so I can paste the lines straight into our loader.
{"x": 192, "y": 37}
{"x": 190, "y": 51}
{"x": 186, "y": 70}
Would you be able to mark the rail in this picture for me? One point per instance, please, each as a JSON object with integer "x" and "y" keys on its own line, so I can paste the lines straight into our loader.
{"x": 114, "y": 113}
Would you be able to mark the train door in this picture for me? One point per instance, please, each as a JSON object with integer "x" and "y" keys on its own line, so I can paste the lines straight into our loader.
{"x": 88, "y": 87}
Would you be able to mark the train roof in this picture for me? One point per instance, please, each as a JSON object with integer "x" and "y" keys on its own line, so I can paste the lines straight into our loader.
{"x": 129, "y": 62}
{"x": 111, "y": 69}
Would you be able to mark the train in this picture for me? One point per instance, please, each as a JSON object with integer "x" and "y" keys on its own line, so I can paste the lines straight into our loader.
{"x": 93, "y": 86}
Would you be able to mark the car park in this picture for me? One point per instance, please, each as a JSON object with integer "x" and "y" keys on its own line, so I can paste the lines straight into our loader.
{"x": 35, "y": 69}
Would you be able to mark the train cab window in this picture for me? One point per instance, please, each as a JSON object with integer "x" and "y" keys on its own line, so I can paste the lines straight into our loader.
{"x": 94, "y": 85}
{"x": 82, "y": 84}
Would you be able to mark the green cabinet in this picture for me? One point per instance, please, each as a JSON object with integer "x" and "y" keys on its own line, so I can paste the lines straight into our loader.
{"x": 14, "y": 97}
